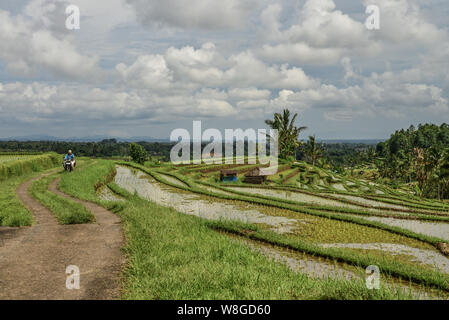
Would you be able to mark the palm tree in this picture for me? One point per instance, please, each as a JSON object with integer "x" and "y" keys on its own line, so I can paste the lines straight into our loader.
{"x": 288, "y": 133}
{"x": 313, "y": 150}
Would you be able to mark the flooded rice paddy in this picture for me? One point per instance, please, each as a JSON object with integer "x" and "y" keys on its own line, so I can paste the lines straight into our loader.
{"x": 306, "y": 198}
{"x": 172, "y": 180}
{"x": 316, "y": 267}
{"x": 312, "y": 266}
{"x": 214, "y": 209}
{"x": 193, "y": 204}
{"x": 422, "y": 256}
{"x": 291, "y": 195}
{"x": 432, "y": 229}
{"x": 370, "y": 202}
{"x": 104, "y": 193}
{"x": 296, "y": 225}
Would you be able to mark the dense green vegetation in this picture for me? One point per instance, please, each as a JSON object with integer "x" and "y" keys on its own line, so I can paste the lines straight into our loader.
{"x": 288, "y": 133}
{"x": 343, "y": 155}
{"x": 137, "y": 153}
{"x": 105, "y": 148}
{"x": 420, "y": 156}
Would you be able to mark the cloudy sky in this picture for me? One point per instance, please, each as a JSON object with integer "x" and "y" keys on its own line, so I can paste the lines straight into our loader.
{"x": 146, "y": 67}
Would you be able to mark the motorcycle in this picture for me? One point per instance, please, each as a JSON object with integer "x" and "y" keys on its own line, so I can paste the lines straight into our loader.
{"x": 67, "y": 164}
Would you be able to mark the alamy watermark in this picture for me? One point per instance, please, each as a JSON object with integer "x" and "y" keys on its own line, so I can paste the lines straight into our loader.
{"x": 372, "y": 277}
{"x": 189, "y": 150}
{"x": 73, "y": 279}
{"x": 373, "y": 20}
{"x": 73, "y": 17}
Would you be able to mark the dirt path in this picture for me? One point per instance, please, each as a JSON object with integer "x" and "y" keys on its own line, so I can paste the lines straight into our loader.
{"x": 33, "y": 260}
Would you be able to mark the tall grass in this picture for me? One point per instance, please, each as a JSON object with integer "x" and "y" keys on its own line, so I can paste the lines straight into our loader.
{"x": 28, "y": 165}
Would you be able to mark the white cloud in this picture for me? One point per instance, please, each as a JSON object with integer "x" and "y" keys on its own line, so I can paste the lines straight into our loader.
{"x": 323, "y": 35}
{"x": 147, "y": 71}
{"x": 195, "y": 14}
{"x": 378, "y": 96}
{"x": 27, "y": 51}
{"x": 249, "y": 93}
{"x": 403, "y": 24}
{"x": 191, "y": 68}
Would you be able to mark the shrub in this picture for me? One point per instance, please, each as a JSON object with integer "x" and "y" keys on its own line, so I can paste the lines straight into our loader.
{"x": 137, "y": 153}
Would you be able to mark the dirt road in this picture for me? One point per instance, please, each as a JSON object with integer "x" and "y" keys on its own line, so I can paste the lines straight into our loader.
{"x": 33, "y": 260}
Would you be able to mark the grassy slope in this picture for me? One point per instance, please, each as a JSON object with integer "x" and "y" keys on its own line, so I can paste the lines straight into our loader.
{"x": 12, "y": 212}
{"x": 175, "y": 256}
{"x": 27, "y": 165}
{"x": 12, "y": 174}
{"x": 67, "y": 211}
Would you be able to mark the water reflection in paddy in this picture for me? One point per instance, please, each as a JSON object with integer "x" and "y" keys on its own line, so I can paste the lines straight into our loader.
{"x": 104, "y": 193}
{"x": 322, "y": 268}
{"x": 306, "y": 198}
{"x": 370, "y": 202}
{"x": 173, "y": 180}
{"x": 423, "y": 256}
{"x": 312, "y": 266}
{"x": 190, "y": 203}
{"x": 433, "y": 229}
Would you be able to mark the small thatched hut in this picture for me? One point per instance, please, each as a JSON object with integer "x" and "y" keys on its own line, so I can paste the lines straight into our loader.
{"x": 255, "y": 176}
{"x": 228, "y": 175}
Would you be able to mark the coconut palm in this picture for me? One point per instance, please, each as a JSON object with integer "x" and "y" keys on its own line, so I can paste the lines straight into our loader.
{"x": 313, "y": 150}
{"x": 288, "y": 133}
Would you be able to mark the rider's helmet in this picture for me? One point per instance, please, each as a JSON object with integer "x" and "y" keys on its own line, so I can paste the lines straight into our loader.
{"x": 70, "y": 152}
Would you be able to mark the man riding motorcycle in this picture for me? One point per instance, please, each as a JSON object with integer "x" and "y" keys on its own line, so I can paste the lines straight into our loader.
{"x": 70, "y": 157}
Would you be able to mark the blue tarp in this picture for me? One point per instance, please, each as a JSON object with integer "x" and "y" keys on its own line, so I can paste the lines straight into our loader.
{"x": 230, "y": 179}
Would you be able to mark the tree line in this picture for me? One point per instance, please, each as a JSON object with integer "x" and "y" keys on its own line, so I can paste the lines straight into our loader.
{"x": 418, "y": 155}
{"x": 105, "y": 148}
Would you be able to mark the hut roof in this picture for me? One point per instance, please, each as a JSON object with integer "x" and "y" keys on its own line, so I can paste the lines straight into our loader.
{"x": 229, "y": 172}
{"x": 255, "y": 173}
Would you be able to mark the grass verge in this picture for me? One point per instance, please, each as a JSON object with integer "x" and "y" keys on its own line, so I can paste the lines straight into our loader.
{"x": 12, "y": 174}
{"x": 12, "y": 212}
{"x": 67, "y": 211}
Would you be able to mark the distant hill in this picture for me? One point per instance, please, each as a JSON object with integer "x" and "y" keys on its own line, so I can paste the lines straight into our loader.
{"x": 97, "y": 138}
{"x": 359, "y": 141}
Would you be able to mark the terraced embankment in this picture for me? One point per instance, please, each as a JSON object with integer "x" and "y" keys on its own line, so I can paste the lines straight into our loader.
{"x": 307, "y": 233}
{"x": 33, "y": 260}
